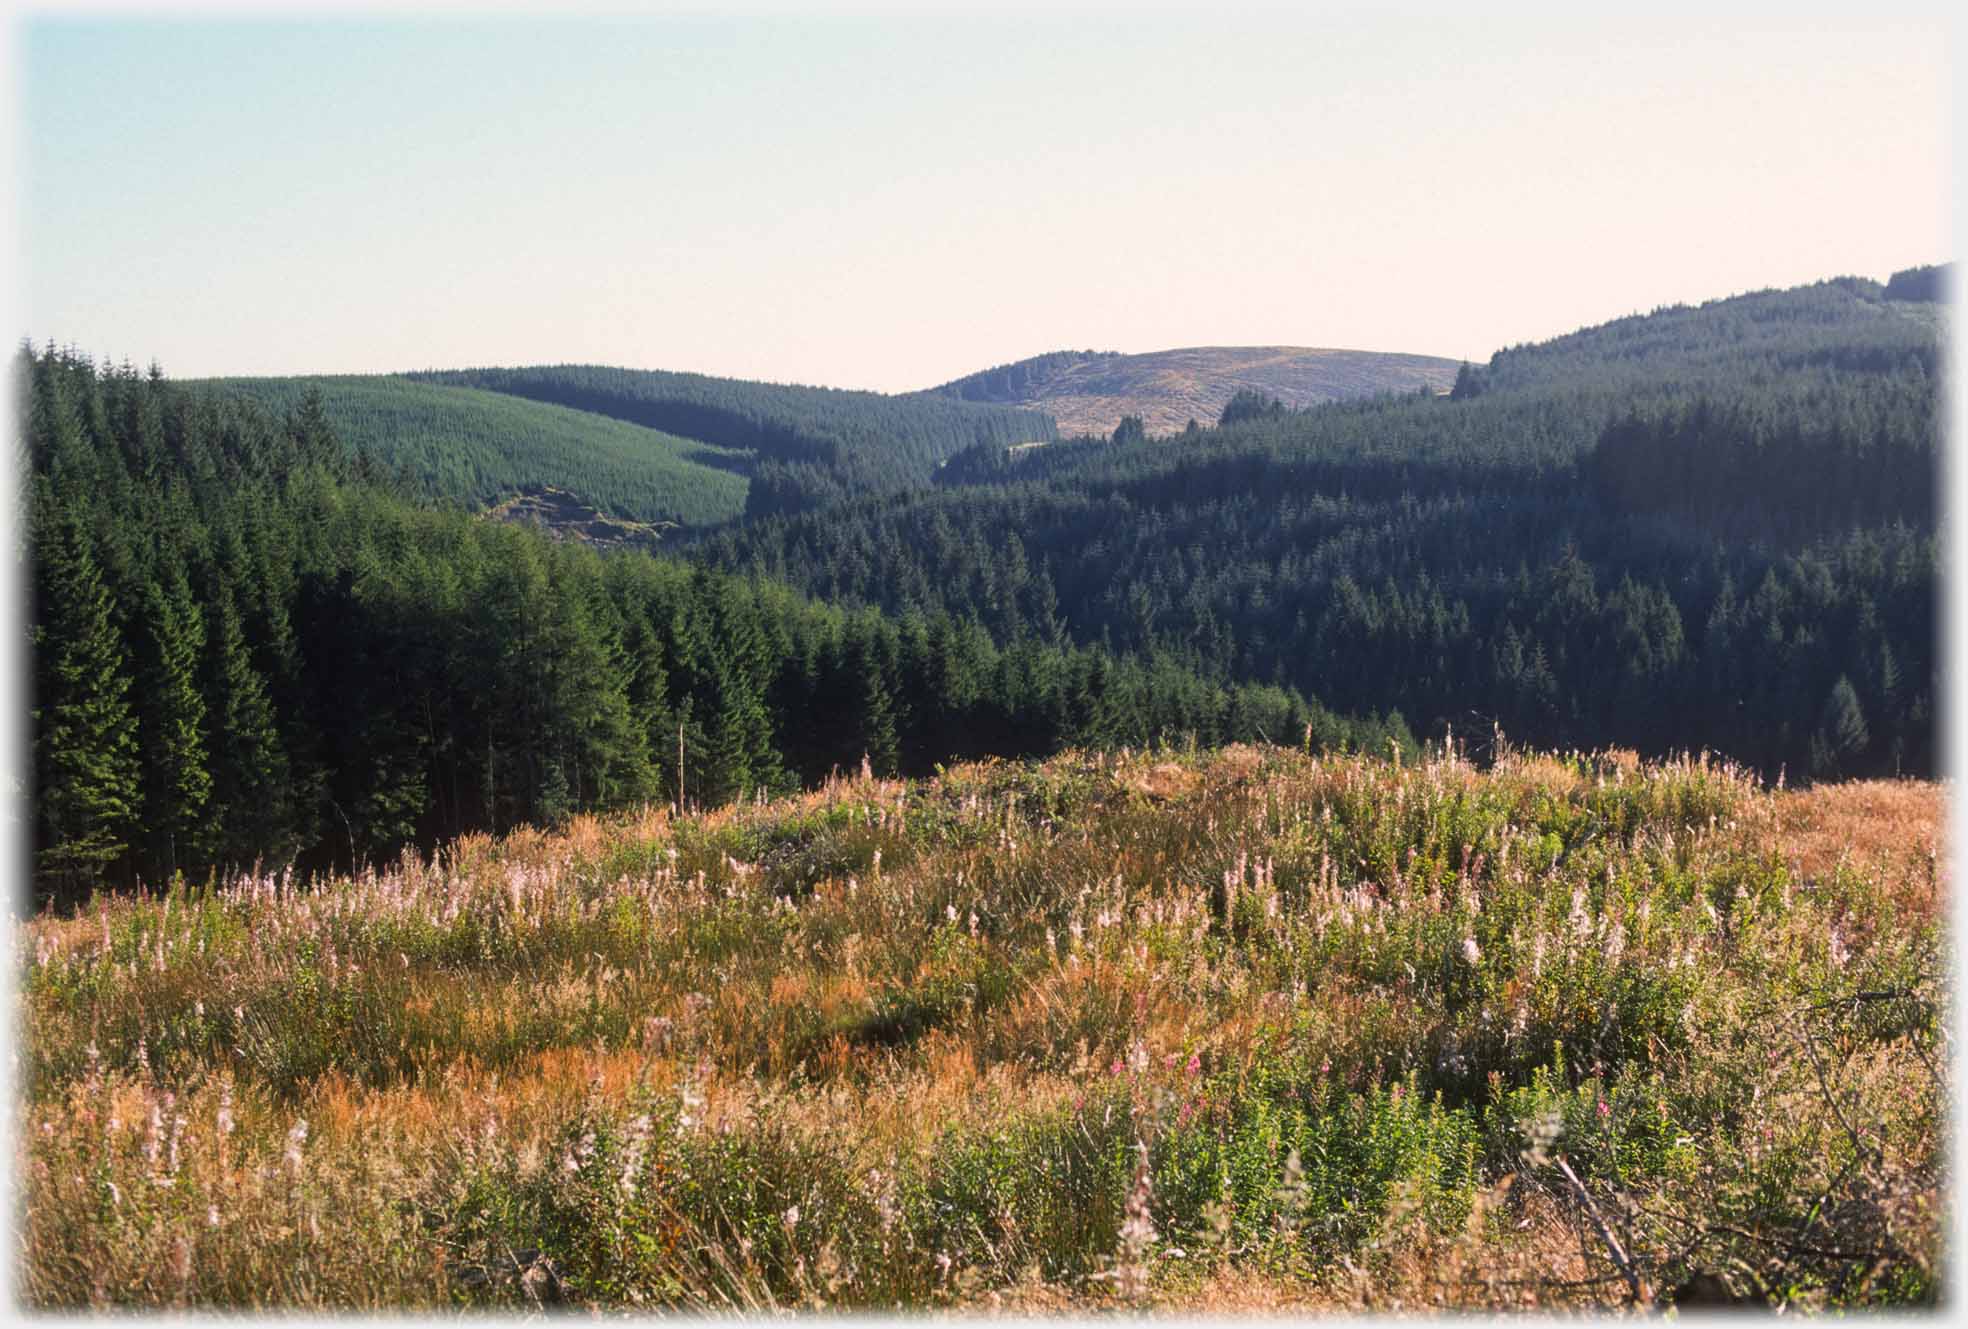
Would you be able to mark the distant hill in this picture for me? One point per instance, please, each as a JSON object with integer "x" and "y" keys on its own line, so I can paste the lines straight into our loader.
{"x": 481, "y": 447}
{"x": 807, "y": 446}
{"x": 1930, "y": 284}
{"x": 1710, "y": 526}
{"x": 1088, "y": 392}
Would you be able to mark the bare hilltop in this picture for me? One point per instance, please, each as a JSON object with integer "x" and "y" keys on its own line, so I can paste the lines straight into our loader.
{"x": 1088, "y": 392}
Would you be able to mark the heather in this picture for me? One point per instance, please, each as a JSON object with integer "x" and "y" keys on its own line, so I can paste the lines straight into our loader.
{"x": 1239, "y": 1029}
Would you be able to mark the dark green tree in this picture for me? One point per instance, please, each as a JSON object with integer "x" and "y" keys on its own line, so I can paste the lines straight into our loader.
{"x": 1841, "y": 737}
{"x": 249, "y": 768}
{"x": 177, "y": 780}
{"x": 87, "y": 778}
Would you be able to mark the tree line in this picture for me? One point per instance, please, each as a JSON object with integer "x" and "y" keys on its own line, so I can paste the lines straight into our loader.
{"x": 1701, "y": 528}
{"x": 252, "y": 644}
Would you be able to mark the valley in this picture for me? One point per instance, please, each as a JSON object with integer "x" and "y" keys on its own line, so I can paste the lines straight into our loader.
{"x": 621, "y": 839}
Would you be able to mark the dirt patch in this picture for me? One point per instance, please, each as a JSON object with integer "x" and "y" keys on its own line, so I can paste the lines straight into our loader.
{"x": 565, "y": 516}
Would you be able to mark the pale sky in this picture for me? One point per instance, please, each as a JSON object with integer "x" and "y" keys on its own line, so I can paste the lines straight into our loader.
{"x": 889, "y": 202}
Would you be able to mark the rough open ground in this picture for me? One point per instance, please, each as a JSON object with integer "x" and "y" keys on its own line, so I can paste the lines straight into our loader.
{"x": 1237, "y": 1031}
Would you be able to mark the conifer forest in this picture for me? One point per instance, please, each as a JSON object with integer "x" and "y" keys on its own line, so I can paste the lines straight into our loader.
{"x": 1450, "y": 847}
{"x": 270, "y": 627}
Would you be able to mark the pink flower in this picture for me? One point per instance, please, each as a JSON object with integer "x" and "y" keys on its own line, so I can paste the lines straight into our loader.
{"x": 1605, "y": 1109}
{"x": 1195, "y": 1063}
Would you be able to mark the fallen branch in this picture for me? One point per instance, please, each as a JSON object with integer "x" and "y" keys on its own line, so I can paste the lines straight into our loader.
{"x": 1634, "y": 1282}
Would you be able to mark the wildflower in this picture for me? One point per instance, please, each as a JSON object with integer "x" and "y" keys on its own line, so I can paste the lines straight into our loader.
{"x": 1605, "y": 1109}
{"x": 1471, "y": 951}
{"x": 632, "y": 1156}
{"x": 225, "y": 1122}
{"x": 211, "y": 1215}
{"x": 1292, "y": 1194}
{"x": 1195, "y": 1063}
{"x": 791, "y": 1218}
{"x": 296, "y": 1137}
{"x": 1138, "y": 1233}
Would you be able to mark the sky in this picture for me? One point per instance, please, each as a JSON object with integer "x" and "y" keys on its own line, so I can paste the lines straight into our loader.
{"x": 890, "y": 202}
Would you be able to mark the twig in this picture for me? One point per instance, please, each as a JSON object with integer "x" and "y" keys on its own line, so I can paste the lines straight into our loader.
{"x": 1634, "y": 1282}
{"x": 1798, "y": 1247}
{"x": 1831, "y": 1099}
{"x": 1879, "y": 994}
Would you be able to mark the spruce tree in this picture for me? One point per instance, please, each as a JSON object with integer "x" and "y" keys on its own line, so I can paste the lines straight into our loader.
{"x": 177, "y": 781}
{"x": 249, "y": 767}
{"x": 85, "y": 732}
{"x": 1841, "y": 737}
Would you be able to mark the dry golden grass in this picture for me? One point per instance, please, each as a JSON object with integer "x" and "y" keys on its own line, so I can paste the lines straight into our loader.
{"x": 888, "y": 1045}
{"x": 1895, "y": 826}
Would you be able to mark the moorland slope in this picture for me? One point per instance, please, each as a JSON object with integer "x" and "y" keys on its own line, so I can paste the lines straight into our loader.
{"x": 1089, "y": 392}
{"x": 1240, "y": 1030}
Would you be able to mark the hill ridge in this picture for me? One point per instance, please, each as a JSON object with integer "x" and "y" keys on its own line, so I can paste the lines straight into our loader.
{"x": 1088, "y": 392}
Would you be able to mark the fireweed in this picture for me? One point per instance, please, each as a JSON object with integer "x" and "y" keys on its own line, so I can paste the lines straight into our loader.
{"x": 1243, "y": 1029}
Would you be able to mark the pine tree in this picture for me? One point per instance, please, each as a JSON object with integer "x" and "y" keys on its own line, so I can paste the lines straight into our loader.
{"x": 249, "y": 767}
{"x": 726, "y": 772}
{"x": 177, "y": 780}
{"x": 85, "y": 733}
{"x": 875, "y": 712}
{"x": 1841, "y": 736}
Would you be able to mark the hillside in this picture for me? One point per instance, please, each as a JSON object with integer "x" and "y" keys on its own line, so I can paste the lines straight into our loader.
{"x": 1242, "y": 1030}
{"x": 481, "y": 448}
{"x": 808, "y": 446}
{"x": 251, "y": 648}
{"x": 1709, "y": 527}
{"x": 1088, "y": 392}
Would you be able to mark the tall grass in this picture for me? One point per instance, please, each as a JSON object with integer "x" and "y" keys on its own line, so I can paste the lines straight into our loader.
{"x": 1240, "y": 1029}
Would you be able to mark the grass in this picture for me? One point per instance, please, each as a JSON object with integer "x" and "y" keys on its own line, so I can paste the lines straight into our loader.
{"x": 1244, "y": 1030}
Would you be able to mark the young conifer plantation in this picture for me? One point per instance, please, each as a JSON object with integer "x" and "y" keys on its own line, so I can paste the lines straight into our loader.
{"x": 1471, "y": 850}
